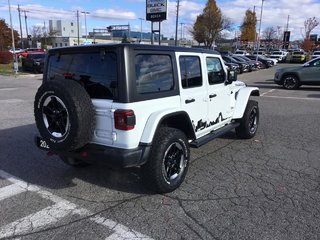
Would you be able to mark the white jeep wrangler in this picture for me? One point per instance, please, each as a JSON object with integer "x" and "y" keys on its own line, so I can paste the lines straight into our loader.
{"x": 137, "y": 105}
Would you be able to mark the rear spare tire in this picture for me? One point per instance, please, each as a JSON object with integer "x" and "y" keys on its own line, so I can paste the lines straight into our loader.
{"x": 64, "y": 115}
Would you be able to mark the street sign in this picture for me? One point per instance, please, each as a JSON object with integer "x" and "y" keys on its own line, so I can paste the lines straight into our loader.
{"x": 156, "y": 10}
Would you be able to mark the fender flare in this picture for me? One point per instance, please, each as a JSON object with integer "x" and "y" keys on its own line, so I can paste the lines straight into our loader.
{"x": 242, "y": 97}
{"x": 157, "y": 118}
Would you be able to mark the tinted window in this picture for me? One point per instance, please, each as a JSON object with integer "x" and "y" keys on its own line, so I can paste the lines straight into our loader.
{"x": 34, "y": 56}
{"x": 153, "y": 73}
{"x": 97, "y": 72}
{"x": 190, "y": 71}
{"x": 215, "y": 70}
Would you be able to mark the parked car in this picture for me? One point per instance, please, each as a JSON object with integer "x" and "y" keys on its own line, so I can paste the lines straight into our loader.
{"x": 232, "y": 66}
{"x": 251, "y": 66}
{"x": 29, "y": 50}
{"x": 34, "y": 62}
{"x": 241, "y": 52}
{"x": 257, "y": 64}
{"x": 265, "y": 62}
{"x": 294, "y": 77}
{"x": 258, "y": 52}
{"x": 281, "y": 56}
{"x": 244, "y": 67}
{"x": 315, "y": 54}
{"x": 298, "y": 57}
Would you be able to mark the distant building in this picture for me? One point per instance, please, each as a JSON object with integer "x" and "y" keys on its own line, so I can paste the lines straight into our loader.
{"x": 64, "y": 28}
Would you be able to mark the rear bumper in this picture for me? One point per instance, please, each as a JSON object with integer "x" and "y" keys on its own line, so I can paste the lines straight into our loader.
{"x": 110, "y": 156}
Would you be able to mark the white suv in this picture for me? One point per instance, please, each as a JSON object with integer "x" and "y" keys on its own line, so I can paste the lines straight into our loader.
{"x": 138, "y": 105}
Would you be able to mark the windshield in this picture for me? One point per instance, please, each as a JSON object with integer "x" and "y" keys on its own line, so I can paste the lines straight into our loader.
{"x": 298, "y": 53}
{"x": 316, "y": 53}
{"x": 277, "y": 53}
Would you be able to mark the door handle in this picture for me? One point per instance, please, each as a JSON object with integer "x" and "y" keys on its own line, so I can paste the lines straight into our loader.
{"x": 190, "y": 100}
{"x": 212, "y": 95}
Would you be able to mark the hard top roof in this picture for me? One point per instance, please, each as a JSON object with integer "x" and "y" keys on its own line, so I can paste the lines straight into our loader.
{"x": 136, "y": 46}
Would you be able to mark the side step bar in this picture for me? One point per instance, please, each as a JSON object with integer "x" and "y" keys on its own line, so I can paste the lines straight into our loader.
{"x": 214, "y": 134}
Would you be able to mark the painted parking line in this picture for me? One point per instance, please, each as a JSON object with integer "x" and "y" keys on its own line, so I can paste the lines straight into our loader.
{"x": 270, "y": 91}
{"x": 52, "y": 214}
{"x": 8, "y": 89}
{"x": 11, "y": 100}
{"x": 11, "y": 190}
{"x": 37, "y": 220}
{"x": 295, "y": 98}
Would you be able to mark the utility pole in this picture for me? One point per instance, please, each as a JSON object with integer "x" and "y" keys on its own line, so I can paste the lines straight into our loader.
{"x": 78, "y": 27}
{"x": 177, "y": 20}
{"x": 287, "y": 28}
{"x": 255, "y": 29}
{"x": 21, "y": 37}
{"x": 141, "y": 19}
{"x": 15, "y": 63}
{"x": 181, "y": 30}
{"x": 85, "y": 22}
{"x": 260, "y": 29}
{"x": 26, "y": 22}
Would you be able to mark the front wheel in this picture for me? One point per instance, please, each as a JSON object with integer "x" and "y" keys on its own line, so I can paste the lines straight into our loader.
{"x": 249, "y": 122}
{"x": 290, "y": 82}
{"x": 168, "y": 162}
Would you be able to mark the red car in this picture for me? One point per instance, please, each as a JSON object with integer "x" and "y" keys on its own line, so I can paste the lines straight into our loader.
{"x": 29, "y": 50}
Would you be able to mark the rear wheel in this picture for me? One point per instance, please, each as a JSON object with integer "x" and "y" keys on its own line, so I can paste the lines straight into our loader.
{"x": 168, "y": 162}
{"x": 290, "y": 82}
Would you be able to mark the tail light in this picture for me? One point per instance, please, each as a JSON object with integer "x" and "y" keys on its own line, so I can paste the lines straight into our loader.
{"x": 124, "y": 119}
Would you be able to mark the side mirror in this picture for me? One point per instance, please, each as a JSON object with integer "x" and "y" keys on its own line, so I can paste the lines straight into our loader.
{"x": 232, "y": 76}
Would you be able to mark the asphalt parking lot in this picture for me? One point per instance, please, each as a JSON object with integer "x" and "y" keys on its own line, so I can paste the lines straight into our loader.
{"x": 267, "y": 187}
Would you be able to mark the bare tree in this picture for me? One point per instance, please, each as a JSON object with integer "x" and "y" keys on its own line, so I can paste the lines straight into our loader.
{"x": 309, "y": 25}
{"x": 270, "y": 34}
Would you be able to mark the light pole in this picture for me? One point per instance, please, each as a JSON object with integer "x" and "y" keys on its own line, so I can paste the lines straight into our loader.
{"x": 141, "y": 19}
{"x": 15, "y": 64}
{"x": 85, "y": 22}
{"x": 181, "y": 30}
{"x": 177, "y": 20}
{"x": 260, "y": 29}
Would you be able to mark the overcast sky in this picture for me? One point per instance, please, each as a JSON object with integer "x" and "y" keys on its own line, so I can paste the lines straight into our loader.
{"x": 110, "y": 12}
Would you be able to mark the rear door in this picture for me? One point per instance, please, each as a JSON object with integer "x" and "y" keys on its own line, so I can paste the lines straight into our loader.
{"x": 193, "y": 91}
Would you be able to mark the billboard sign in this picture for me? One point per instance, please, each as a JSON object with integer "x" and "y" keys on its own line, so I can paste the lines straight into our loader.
{"x": 286, "y": 39}
{"x": 156, "y": 10}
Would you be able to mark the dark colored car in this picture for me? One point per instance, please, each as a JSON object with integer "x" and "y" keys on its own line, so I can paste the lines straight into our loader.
{"x": 294, "y": 77}
{"x": 266, "y": 63}
{"x": 252, "y": 66}
{"x": 244, "y": 67}
{"x": 233, "y": 66}
{"x": 257, "y": 64}
{"x": 34, "y": 62}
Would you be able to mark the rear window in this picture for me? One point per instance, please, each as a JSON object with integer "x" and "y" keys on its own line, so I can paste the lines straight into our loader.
{"x": 154, "y": 73}
{"x": 298, "y": 53}
{"x": 96, "y": 71}
{"x": 34, "y": 56}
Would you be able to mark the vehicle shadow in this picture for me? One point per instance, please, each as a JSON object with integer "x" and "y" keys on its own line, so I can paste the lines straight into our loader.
{"x": 20, "y": 157}
{"x": 314, "y": 95}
